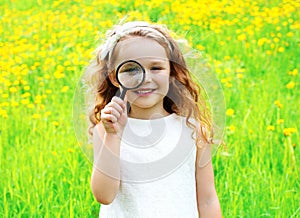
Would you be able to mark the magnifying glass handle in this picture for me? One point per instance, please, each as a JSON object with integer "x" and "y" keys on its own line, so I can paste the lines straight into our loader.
{"x": 123, "y": 94}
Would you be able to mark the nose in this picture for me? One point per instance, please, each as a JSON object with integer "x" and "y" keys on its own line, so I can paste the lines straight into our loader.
{"x": 148, "y": 76}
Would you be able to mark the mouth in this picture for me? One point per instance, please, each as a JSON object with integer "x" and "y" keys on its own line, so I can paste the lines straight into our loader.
{"x": 144, "y": 92}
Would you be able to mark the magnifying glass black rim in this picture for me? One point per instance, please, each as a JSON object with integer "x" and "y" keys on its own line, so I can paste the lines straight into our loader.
{"x": 117, "y": 72}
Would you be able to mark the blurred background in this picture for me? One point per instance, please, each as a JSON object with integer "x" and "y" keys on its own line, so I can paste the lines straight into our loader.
{"x": 253, "y": 47}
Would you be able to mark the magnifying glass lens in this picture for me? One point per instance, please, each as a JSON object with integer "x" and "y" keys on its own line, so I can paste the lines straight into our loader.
{"x": 130, "y": 75}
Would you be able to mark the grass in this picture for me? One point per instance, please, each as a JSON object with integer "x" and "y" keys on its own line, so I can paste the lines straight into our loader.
{"x": 251, "y": 46}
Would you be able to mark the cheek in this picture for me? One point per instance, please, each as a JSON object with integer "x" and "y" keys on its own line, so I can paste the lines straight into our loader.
{"x": 163, "y": 81}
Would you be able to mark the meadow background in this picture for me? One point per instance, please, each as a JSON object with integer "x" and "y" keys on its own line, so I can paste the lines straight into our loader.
{"x": 252, "y": 46}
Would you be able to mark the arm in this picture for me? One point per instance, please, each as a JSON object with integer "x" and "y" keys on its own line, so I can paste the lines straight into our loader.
{"x": 105, "y": 180}
{"x": 207, "y": 199}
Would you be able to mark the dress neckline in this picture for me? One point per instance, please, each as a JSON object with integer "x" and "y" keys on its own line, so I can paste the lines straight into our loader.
{"x": 169, "y": 116}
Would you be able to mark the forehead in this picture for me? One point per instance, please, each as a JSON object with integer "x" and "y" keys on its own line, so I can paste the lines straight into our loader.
{"x": 139, "y": 48}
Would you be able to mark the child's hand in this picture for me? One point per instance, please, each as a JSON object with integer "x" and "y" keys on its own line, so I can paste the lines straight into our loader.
{"x": 114, "y": 116}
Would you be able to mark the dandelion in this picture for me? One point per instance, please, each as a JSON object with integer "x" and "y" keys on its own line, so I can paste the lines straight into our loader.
{"x": 281, "y": 49}
{"x": 5, "y": 104}
{"x": 55, "y": 123}
{"x": 227, "y": 70}
{"x": 65, "y": 89}
{"x": 54, "y": 153}
{"x": 228, "y": 85}
{"x": 289, "y": 131}
{"x": 280, "y": 121}
{"x": 293, "y": 72}
{"x": 290, "y": 85}
{"x": 231, "y": 128}
{"x": 242, "y": 37}
{"x": 25, "y": 95}
{"x": 3, "y": 113}
{"x": 227, "y": 57}
{"x": 14, "y": 104}
{"x": 25, "y": 101}
{"x": 30, "y": 105}
{"x": 229, "y": 112}
{"x": 4, "y": 95}
{"x": 47, "y": 76}
{"x": 26, "y": 88}
{"x": 270, "y": 128}
{"x": 58, "y": 75}
{"x": 200, "y": 47}
{"x": 13, "y": 89}
{"x": 269, "y": 52}
{"x": 48, "y": 113}
{"x": 240, "y": 76}
{"x": 278, "y": 104}
{"x": 36, "y": 116}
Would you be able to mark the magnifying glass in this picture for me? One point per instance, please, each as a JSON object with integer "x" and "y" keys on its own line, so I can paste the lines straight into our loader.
{"x": 130, "y": 75}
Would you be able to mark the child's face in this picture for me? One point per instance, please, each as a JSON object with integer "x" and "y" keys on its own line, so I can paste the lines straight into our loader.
{"x": 152, "y": 56}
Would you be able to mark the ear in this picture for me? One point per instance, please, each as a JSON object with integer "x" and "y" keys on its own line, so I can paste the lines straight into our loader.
{"x": 113, "y": 79}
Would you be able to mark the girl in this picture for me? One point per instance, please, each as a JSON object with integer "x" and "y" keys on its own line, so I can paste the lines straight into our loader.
{"x": 148, "y": 148}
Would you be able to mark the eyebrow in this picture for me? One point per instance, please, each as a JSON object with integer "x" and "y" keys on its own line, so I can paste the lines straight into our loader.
{"x": 158, "y": 62}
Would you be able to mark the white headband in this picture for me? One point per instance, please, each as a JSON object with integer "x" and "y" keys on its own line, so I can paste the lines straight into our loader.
{"x": 127, "y": 28}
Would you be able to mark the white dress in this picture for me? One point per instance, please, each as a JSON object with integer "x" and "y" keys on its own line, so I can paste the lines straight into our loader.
{"x": 157, "y": 171}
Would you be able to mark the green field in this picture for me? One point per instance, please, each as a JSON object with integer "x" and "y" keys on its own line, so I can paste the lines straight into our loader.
{"x": 252, "y": 46}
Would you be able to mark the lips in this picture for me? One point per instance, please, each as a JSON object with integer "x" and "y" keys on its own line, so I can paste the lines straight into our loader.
{"x": 144, "y": 92}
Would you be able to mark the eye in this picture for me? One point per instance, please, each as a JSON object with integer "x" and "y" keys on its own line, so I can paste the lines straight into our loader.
{"x": 157, "y": 68}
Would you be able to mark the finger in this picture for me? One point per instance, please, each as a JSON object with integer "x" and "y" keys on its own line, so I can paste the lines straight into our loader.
{"x": 112, "y": 111}
{"x": 109, "y": 118}
{"x": 120, "y": 102}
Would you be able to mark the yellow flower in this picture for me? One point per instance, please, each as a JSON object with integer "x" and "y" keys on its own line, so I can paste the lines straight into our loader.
{"x": 36, "y": 116}
{"x": 289, "y": 131}
{"x": 226, "y": 58}
{"x": 280, "y": 121}
{"x": 47, "y": 113}
{"x": 293, "y": 72}
{"x": 227, "y": 70}
{"x": 3, "y": 113}
{"x": 281, "y": 49}
{"x": 25, "y": 101}
{"x": 30, "y": 106}
{"x": 4, "y": 95}
{"x": 242, "y": 37}
{"x": 13, "y": 89}
{"x": 25, "y": 95}
{"x": 14, "y": 104}
{"x": 229, "y": 112}
{"x": 200, "y": 47}
{"x": 55, "y": 123}
{"x": 4, "y": 104}
{"x": 276, "y": 40}
{"x": 270, "y": 128}
{"x": 228, "y": 85}
{"x": 65, "y": 89}
{"x": 278, "y": 104}
{"x": 240, "y": 76}
{"x": 231, "y": 128}
{"x": 290, "y": 85}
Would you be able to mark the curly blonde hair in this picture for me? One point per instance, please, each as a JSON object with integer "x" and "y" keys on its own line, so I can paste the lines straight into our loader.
{"x": 189, "y": 96}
